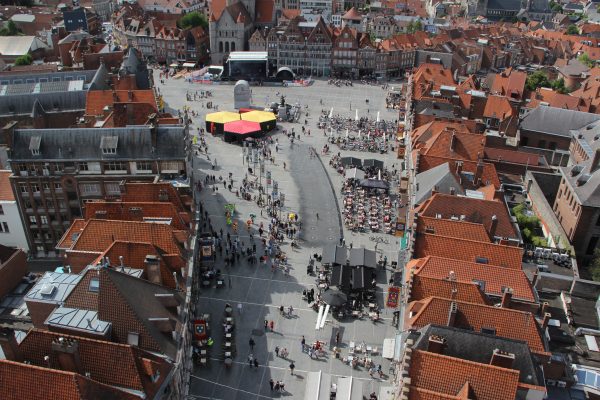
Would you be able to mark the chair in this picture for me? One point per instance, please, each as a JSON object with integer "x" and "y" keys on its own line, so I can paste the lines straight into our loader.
{"x": 375, "y": 350}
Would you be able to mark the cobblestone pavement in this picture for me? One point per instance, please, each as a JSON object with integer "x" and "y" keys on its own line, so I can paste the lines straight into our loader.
{"x": 311, "y": 186}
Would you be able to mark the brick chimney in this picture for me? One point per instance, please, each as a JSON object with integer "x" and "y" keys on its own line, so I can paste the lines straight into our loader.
{"x": 546, "y": 320}
{"x": 595, "y": 161}
{"x": 506, "y": 298}
{"x": 9, "y": 345}
{"x": 67, "y": 353}
{"x": 502, "y": 359}
{"x": 452, "y": 313}
{"x": 152, "y": 267}
{"x": 436, "y": 344}
{"x": 478, "y": 173}
{"x": 453, "y": 142}
{"x": 493, "y": 226}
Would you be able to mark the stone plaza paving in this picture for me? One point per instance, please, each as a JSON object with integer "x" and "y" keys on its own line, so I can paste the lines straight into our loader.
{"x": 311, "y": 186}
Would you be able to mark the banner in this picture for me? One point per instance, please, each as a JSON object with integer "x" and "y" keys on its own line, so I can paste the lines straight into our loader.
{"x": 393, "y": 297}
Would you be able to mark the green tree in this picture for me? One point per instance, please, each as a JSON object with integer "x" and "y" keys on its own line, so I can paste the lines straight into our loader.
{"x": 10, "y": 29}
{"x": 536, "y": 80}
{"x": 572, "y": 30}
{"x": 559, "y": 86}
{"x": 586, "y": 60}
{"x": 25, "y": 59}
{"x": 594, "y": 267}
{"x": 554, "y": 6}
{"x": 414, "y": 26}
{"x": 192, "y": 20}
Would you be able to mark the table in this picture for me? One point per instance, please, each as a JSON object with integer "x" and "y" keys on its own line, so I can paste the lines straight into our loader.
{"x": 228, "y": 336}
{"x": 228, "y": 362}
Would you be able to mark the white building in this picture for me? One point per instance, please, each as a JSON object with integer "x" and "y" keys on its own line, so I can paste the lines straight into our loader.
{"x": 12, "y": 233}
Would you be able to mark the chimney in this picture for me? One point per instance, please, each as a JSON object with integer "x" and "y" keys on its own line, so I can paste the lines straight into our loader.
{"x": 595, "y": 161}
{"x": 435, "y": 189}
{"x": 493, "y": 226}
{"x": 436, "y": 344}
{"x": 452, "y": 191}
{"x": 9, "y": 345}
{"x": 502, "y": 359}
{"x": 152, "y": 267}
{"x": 452, "y": 313}
{"x": 458, "y": 168}
{"x": 163, "y": 195}
{"x": 546, "y": 320}
{"x": 544, "y": 308}
{"x": 453, "y": 142}
{"x": 478, "y": 173}
{"x": 506, "y": 298}
{"x": 67, "y": 353}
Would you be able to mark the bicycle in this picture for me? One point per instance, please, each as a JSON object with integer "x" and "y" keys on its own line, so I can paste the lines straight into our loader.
{"x": 379, "y": 239}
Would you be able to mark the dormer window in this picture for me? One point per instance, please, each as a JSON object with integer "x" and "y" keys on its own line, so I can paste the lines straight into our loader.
{"x": 108, "y": 144}
{"x": 34, "y": 145}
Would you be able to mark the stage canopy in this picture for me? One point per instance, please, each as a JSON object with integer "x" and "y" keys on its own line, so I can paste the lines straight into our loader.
{"x": 267, "y": 120}
{"x": 242, "y": 127}
{"x": 222, "y": 117}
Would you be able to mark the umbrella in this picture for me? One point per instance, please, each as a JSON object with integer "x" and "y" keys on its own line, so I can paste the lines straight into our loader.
{"x": 353, "y": 161}
{"x": 377, "y": 116}
{"x": 374, "y": 184}
{"x": 371, "y": 162}
{"x": 356, "y": 115}
{"x": 334, "y": 298}
{"x": 355, "y": 173}
{"x": 331, "y": 113}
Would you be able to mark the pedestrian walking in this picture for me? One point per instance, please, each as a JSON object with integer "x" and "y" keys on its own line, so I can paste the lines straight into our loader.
{"x": 290, "y": 311}
{"x": 239, "y": 306}
{"x": 272, "y": 326}
{"x": 277, "y": 351}
{"x": 271, "y": 384}
{"x": 251, "y": 343}
{"x": 266, "y": 325}
{"x": 303, "y": 342}
{"x": 379, "y": 371}
{"x": 255, "y": 363}
{"x": 292, "y": 366}
{"x": 250, "y": 359}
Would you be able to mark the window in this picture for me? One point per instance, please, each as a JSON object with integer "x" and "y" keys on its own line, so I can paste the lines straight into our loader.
{"x": 46, "y": 186}
{"x": 57, "y": 186}
{"x": 89, "y": 188}
{"x": 35, "y": 188}
{"x": 112, "y": 188}
{"x": 94, "y": 285}
{"x": 115, "y": 166}
{"x": 1, "y": 210}
{"x": 33, "y": 220}
{"x": 133, "y": 338}
{"x": 44, "y": 219}
{"x": 4, "y": 228}
{"x": 58, "y": 167}
{"x": 143, "y": 165}
{"x": 23, "y": 187}
{"x": 83, "y": 166}
{"x": 40, "y": 248}
{"x": 108, "y": 144}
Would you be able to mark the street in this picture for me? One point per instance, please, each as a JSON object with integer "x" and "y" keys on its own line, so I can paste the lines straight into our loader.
{"x": 311, "y": 187}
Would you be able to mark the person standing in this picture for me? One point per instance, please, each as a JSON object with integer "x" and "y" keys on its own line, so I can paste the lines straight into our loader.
{"x": 271, "y": 384}
{"x": 255, "y": 363}
{"x": 272, "y": 326}
{"x": 337, "y": 338}
{"x": 292, "y": 366}
{"x": 251, "y": 343}
{"x": 303, "y": 343}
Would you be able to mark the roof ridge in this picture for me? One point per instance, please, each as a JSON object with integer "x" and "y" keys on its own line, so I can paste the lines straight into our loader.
{"x": 469, "y": 362}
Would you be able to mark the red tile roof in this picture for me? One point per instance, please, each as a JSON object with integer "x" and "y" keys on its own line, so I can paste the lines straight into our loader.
{"x": 498, "y": 107}
{"x": 423, "y": 287}
{"x": 558, "y": 100}
{"x": 150, "y": 192}
{"x": 138, "y": 211}
{"x": 448, "y": 376}
{"x": 430, "y": 77}
{"x": 508, "y": 323}
{"x": 450, "y": 228}
{"x": 509, "y": 83}
{"x": 264, "y": 11}
{"x": 512, "y": 156}
{"x": 468, "y": 250}
{"x": 489, "y": 175}
{"x": 494, "y": 278}
{"x": 475, "y": 210}
{"x": 6, "y": 192}
{"x": 22, "y": 381}
{"x": 97, "y": 235}
{"x": 96, "y": 100}
{"x": 98, "y": 358}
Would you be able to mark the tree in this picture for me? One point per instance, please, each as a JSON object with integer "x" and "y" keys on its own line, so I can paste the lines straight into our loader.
{"x": 594, "y": 268}
{"x": 572, "y": 30}
{"x": 414, "y": 26}
{"x": 586, "y": 60}
{"x": 192, "y": 20}
{"x": 536, "y": 80}
{"x": 25, "y": 59}
{"x": 559, "y": 86}
{"x": 10, "y": 29}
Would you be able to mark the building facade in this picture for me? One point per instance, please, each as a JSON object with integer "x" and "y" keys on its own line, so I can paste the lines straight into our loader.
{"x": 55, "y": 171}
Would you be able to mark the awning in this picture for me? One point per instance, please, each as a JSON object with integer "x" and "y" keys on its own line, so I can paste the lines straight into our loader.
{"x": 355, "y": 173}
{"x": 341, "y": 276}
{"x": 346, "y": 277}
{"x": 333, "y": 254}
{"x": 351, "y": 161}
{"x": 374, "y": 184}
{"x": 363, "y": 257}
{"x": 189, "y": 65}
{"x": 349, "y": 388}
{"x": 388, "y": 348}
{"x": 313, "y": 384}
{"x": 174, "y": 65}
{"x": 242, "y": 127}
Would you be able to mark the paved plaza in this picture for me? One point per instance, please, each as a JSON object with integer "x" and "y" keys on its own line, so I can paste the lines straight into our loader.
{"x": 311, "y": 186}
